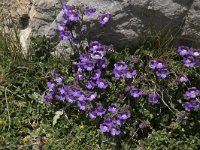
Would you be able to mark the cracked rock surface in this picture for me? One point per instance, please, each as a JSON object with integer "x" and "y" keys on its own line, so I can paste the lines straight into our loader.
{"x": 130, "y": 19}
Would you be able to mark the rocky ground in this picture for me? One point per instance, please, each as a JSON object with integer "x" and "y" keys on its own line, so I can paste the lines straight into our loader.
{"x": 14, "y": 9}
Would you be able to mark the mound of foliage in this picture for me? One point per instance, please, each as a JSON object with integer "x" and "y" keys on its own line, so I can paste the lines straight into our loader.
{"x": 126, "y": 94}
{"x": 102, "y": 98}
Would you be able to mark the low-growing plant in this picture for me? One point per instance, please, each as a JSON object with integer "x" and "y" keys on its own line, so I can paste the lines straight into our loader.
{"x": 126, "y": 97}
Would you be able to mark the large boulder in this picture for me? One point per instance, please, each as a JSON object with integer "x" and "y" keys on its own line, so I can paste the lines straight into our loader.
{"x": 41, "y": 16}
{"x": 130, "y": 19}
{"x": 191, "y": 27}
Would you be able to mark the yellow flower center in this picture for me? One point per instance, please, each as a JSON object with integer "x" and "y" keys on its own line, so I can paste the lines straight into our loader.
{"x": 105, "y": 19}
{"x": 192, "y": 92}
{"x": 182, "y": 78}
{"x": 95, "y": 46}
{"x": 184, "y": 50}
{"x": 124, "y": 115}
{"x": 160, "y": 64}
{"x": 92, "y": 96}
{"x": 189, "y": 61}
{"x": 101, "y": 83}
{"x": 196, "y": 53}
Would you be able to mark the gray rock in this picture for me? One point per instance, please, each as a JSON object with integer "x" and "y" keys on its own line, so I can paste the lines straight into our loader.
{"x": 192, "y": 24}
{"x": 130, "y": 19}
{"x": 42, "y": 14}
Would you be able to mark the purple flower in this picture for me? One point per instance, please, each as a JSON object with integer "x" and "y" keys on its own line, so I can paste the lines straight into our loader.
{"x": 102, "y": 83}
{"x": 153, "y": 64}
{"x": 195, "y": 52}
{"x": 90, "y": 11}
{"x": 104, "y": 127}
{"x": 101, "y": 63}
{"x": 118, "y": 73}
{"x": 73, "y": 16}
{"x": 65, "y": 35}
{"x": 113, "y": 108}
{"x": 84, "y": 57}
{"x": 163, "y": 73}
{"x": 183, "y": 50}
{"x": 97, "y": 55}
{"x": 92, "y": 114}
{"x": 129, "y": 73}
{"x": 48, "y": 97}
{"x": 65, "y": 20}
{"x": 91, "y": 96}
{"x": 160, "y": 64}
{"x": 104, "y": 18}
{"x": 100, "y": 111}
{"x": 136, "y": 92}
{"x": 192, "y": 92}
{"x": 58, "y": 79}
{"x": 120, "y": 66}
{"x": 192, "y": 104}
{"x": 82, "y": 105}
{"x": 79, "y": 65}
{"x": 90, "y": 84}
{"x": 94, "y": 45}
{"x": 62, "y": 90}
{"x": 157, "y": 64}
{"x": 109, "y": 121}
{"x": 60, "y": 97}
{"x": 102, "y": 50}
{"x": 53, "y": 72}
{"x": 60, "y": 27}
{"x": 82, "y": 97}
{"x": 110, "y": 48}
{"x": 70, "y": 98}
{"x": 89, "y": 65}
{"x": 71, "y": 13}
{"x": 183, "y": 78}
{"x": 96, "y": 74}
{"x": 50, "y": 86}
{"x": 67, "y": 8}
{"x": 114, "y": 131}
{"x": 189, "y": 61}
{"x": 153, "y": 98}
{"x": 118, "y": 121}
{"x": 124, "y": 115}
{"x": 75, "y": 92}
{"x": 79, "y": 74}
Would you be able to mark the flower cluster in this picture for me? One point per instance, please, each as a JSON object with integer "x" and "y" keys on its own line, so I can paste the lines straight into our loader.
{"x": 192, "y": 94}
{"x": 112, "y": 124}
{"x": 92, "y": 76}
{"x": 56, "y": 88}
{"x": 191, "y": 57}
{"x": 122, "y": 70}
{"x": 89, "y": 71}
{"x": 73, "y": 18}
{"x": 92, "y": 62}
{"x": 160, "y": 66}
